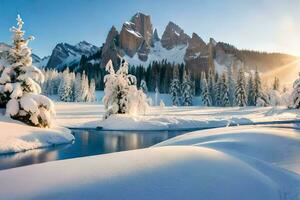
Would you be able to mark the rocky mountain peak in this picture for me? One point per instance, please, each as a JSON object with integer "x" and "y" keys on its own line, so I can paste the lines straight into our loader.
{"x": 143, "y": 26}
{"x": 196, "y": 47}
{"x": 173, "y": 36}
{"x": 110, "y": 47}
{"x": 136, "y": 36}
{"x": 197, "y": 53}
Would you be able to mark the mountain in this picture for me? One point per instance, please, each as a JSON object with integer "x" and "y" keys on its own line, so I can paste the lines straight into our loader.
{"x": 65, "y": 54}
{"x": 36, "y": 60}
{"x": 140, "y": 44}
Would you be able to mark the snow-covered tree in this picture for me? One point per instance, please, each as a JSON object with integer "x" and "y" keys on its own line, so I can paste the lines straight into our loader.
{"x": 175, "y": 87}
{"x": 77, "y": 89}
{"x": 187, "y": 89}
{"x": 296, "y": 94}
{"x": 223, "y": 92}
{"x": 231, "y": 85}
{"x": 260, "y": 97}
{"x": 92, "y": 89}
{"x": 65, "y": 89}
{"x": 250, "y": 91}
{"x": 211, "y": 85}
{"x": 240, "y": 91}
{"x": 121, "y": 94}
{"x": 84, "y": 87}
{"x": 20, "y": 79}
{"x": 206, "y": 98}
{"x": 202, "y": 79}
{"x": 143, "y": 86}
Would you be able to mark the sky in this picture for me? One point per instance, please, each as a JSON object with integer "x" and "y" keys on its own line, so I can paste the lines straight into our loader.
{"x": 264, "y": 25}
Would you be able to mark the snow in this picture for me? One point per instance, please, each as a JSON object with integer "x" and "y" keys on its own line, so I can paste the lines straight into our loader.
{"x": 159, "y": 53}
{"x": 16, "y": 136}
{"x": 90, "y": 115}
{"x": 137, "y": 34}
{"x": 232, "y": 163}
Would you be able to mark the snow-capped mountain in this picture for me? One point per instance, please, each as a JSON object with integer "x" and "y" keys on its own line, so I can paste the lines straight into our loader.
{"x": 140, "y": 44}
{"x": 65, "y": 54}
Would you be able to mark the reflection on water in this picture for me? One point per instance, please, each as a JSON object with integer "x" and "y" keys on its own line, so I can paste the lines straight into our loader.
{"x": 88, "y": 143}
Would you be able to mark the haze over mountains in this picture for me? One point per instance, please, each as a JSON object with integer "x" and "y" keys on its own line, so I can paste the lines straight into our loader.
{"x": 138, "y": 41}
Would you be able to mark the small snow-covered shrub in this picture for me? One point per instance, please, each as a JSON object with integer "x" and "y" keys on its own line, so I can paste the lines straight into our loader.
{"x": 121, "y": 94}
{"x": 19, "y": 84}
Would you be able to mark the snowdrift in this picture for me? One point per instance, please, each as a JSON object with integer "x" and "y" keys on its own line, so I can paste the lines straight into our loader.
{"x": 16, "y": 136}
{"x": 227, "y": 163}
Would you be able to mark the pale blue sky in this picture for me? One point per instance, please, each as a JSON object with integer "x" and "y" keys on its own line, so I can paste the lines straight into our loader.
{"x": 270, "y": 25}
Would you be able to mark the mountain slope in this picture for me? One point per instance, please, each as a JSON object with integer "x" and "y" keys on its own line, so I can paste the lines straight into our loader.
{"x": 65, "y": 54}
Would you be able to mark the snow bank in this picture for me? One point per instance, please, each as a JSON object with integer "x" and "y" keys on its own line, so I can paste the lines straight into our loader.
{"x": 16, "y": 136}
{"x": 90, "y": 115}
{"x": 174, "y": 172}
{"x": 276, "y": 145}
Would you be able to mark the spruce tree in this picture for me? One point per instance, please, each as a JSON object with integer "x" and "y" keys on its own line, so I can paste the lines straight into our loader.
{"x": 65, "y": 90}
{"x": 257, "y": 86}
{"x": 223, "y": 91}
{"x": 260, "y": 98}
{"x": 175, "y": 87}
{"x": 211, "y": 85}
{"x": 231, "y": 85}
{"x": 77, "y": 88}
{"x": 206, "y": 98}
{"x": 250, "y": 90}
{"x": 20, "y": 80}
{"x": 92, "y": 88}
{"x": 240, "y": 92}
{"x": 187, "y": 89}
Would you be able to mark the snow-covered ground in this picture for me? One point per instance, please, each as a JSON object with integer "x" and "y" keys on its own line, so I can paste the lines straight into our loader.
{"x": 226, "y": 163}
{"x": 16, "y": 136}
{"x": 169, "y": 118}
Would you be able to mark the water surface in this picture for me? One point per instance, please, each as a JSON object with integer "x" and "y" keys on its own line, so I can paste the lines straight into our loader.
{"x": 87, "y": 143}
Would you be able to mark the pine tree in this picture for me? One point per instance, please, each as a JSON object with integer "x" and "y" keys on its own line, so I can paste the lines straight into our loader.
{"x": 211, "y": 86}
{"x": 77, "y": 88}
{"x": 250, "y": 90}
{"x": 240, "y": 92}
{"x": 84, "y": 87}
{"x": 206, "y": 98}
{"x": 175, "y": 87}
{"x": 260, "y": 98}
{"x": 92, "y": 89}
{"x": 65, "y": 90}
{"x": 187, "y": 89}
{"x": 20, "y": 79}
{"x": 223, "y": 91}
{"x": 231, "y": 86}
